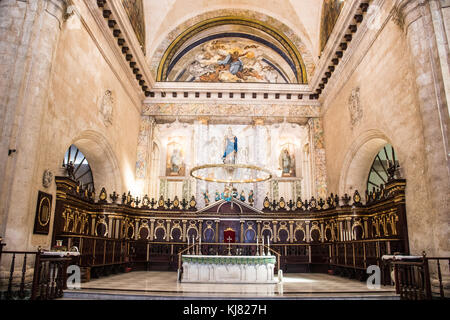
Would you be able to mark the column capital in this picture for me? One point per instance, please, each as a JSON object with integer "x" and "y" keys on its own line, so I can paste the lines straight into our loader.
{"x": 57, "y": 8}
{"x": 408, "y": 11}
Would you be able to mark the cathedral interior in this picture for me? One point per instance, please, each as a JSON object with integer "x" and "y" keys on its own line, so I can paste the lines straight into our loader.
{"x": 131, "y": 147}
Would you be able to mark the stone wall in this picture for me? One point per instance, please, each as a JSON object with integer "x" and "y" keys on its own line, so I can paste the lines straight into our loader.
{"x": 57, "y": 73}
{"x": 378, "y": 103}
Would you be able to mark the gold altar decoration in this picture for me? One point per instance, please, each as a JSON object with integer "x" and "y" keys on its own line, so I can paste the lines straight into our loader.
{"x": 229, "y": 168}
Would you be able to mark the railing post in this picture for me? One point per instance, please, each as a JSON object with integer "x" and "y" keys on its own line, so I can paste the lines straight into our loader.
{"x": 396, "y": 278}
{"x": 1, "y": 249}
{"x": 36, "y": 275}
{"x": 426, "y": 270}
{"x": 441, "y": 287}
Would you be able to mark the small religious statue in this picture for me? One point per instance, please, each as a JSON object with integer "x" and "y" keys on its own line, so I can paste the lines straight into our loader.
{"x": 175, "y": 162}
{"x": 234, "y": 193}
{"x": 70, "y": 168}
{"x": 226, "y": 194}
{"x": 285, "y": 162}
{"x": 230, "y": 147}
{"x": 250, "y": 198}
{"x": 217, "y": 198}
{"x": 206, "y": 197}
{"x": 242, "y": 198}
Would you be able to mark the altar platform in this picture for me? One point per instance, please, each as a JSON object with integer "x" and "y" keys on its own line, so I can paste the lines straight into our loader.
{"x": 228, "y": 269}
{"x": 151, "y": 285}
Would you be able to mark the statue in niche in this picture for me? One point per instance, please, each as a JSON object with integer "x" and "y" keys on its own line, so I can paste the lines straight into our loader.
{"x": 175, "y": 165}
{"x": 206, "y": 197}
{"x": 250, "y": 198}
{"x": 230, "y": 147}
{"x": 287, "y": 164}
{"x": 226, "y": 194}
{"x": 234, "y": 193}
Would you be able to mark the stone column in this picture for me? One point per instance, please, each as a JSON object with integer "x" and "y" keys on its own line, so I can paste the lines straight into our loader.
{"x": 416, "y": 18}
{"x": 152, "y": 229}
{"x": 144, "y": 152}
{"x": 168, "y": 231}
{"x": 275, "y": 235}
{"x": 322, "y": 234}
{"x": 341, "y": 231}
{"x": 366, "y": 229}
{"x": 184, "y": 230}
{"x": 136, "y": 228}
{"x": 291, "y": 231}
{"x": 93, "y": 223}
{"x": 319, "y": 175}
{"x": 308, "y": 239}
{"x": 200, "y": 225}
{"x": 217, "y": 231}
{"x": 29, "y": 34}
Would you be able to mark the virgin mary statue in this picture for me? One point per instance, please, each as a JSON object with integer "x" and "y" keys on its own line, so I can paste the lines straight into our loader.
{"x": 231, "y": 147}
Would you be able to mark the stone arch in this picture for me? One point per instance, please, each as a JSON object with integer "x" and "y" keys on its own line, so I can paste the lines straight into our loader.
{"x": 101, "y": 158}
{"x": 358, "y": 161}
{"x": 301, "y": 42}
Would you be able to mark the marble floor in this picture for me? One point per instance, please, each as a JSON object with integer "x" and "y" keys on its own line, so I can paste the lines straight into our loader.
{"x": 164, "y": 284}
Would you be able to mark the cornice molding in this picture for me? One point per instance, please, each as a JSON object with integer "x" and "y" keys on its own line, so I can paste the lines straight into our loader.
{"x": 355, "y": 53}
{"x": 130, "y": 36}
{"x": 88, "y": 14}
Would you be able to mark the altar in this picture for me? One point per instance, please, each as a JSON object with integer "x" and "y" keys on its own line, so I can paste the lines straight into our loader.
{"x": 228, "y": 269}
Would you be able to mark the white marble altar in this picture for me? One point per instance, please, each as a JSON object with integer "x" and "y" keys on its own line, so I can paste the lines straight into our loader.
{"x": 228, "y": 269}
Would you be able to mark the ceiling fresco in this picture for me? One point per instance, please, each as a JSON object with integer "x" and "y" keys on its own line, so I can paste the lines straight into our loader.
{"x": 232, "y": 49}
{"x": 135, "y": 12}
{"x": 232, "y": 57}
{"x": 330, "y": 13}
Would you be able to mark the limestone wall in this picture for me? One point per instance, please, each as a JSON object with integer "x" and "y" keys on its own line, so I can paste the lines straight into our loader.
{"x": 70, "y": 75}
{"x": 389, "y": 112}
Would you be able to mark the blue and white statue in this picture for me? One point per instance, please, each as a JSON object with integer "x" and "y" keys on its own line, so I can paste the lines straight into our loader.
{"x": 231, "y": 148}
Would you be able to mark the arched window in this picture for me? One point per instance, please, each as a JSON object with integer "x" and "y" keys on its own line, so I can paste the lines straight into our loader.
{"x": 378, "y": 173}
{"x": 81, "y": 170}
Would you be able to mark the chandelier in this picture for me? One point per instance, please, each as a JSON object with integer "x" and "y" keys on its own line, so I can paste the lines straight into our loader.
{"x": 230, "y": 173}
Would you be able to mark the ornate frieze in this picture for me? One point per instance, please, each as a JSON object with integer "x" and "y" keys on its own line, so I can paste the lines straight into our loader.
{"x": 214, "y": 110}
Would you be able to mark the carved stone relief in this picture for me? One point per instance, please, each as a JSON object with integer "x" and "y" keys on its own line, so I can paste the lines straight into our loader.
{"x": 354, "y": 107}
{"x": 107, "y": 108}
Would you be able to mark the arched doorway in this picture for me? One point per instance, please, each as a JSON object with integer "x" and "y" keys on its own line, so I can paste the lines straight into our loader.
{"x": 102, "y": 160}
{"x": 359, "y": 159}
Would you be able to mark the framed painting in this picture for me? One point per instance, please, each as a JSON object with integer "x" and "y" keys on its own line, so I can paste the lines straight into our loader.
{"x": 43, "y": 213}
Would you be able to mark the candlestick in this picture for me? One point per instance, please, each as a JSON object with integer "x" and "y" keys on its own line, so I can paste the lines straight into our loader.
{"x": 268, "y": 245}
{"x": 200, "y": 245}
{"x": 188, "y": 244}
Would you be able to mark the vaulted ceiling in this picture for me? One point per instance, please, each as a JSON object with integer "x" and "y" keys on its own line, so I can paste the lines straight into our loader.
{"x": 277, "y": 40}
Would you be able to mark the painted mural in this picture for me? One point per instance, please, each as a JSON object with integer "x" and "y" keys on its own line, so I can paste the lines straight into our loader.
{"x": 135, "y": 11}
{"x": 330, "y": 13}
{"x": 232, "y": 60}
